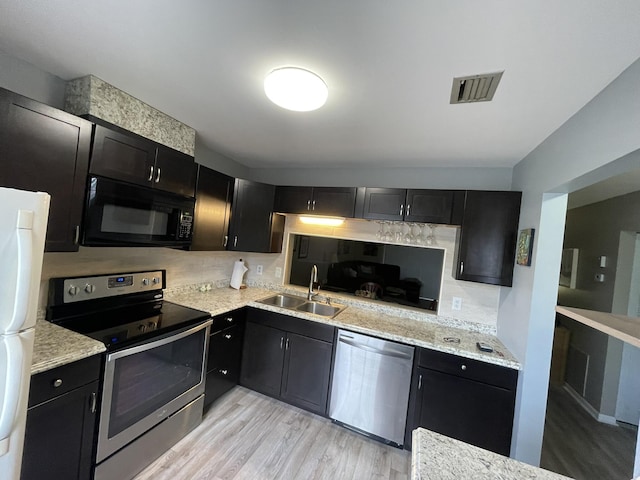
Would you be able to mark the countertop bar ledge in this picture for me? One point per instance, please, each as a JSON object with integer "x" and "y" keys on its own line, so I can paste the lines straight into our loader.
{"x": 437, "y": 457}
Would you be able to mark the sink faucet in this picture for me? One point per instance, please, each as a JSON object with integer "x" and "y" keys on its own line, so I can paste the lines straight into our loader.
{"x": 313, "y": 283}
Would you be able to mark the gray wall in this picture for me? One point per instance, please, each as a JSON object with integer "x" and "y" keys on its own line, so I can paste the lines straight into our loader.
{"x": 599, "y": 141}
{"x": 498, "y": 178}
{"x": 216, "y": 161}
{"x": 23, "y": 78}
{"x": 595, "y": 231}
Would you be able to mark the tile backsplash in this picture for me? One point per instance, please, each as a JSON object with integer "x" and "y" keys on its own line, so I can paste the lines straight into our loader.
{"x": 479, "y": 301}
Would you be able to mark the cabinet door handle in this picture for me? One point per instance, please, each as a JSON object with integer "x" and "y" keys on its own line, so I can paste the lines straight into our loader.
{"x": 57, "y": 383}
{"x": 229, "y": 319}
{"x": 461, "y": 267}
{"x": 463, "y": 367}
{"x": 408, "y": 209}
{"x": 420, "y": 382}
{"x": 150, "y": 174}
{"x": 401, "y": 208}
{"x": 226, "y": 238}
{"x": 281, "y": 342}
{"x": 158, "y": 175}
{"x": 235, "y": 241}
{"x": 286, "y": 347}
{"x": 308, "y": 205}
{"x": 224, "y": 372}
{"x": 313, "y": 205}
{"x": 76, "y": 235}
{"x": 93, "y": 402}
{"x": 227, "y": 336}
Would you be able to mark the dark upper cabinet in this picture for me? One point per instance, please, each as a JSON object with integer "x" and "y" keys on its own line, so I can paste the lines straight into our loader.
{"x": 465, "y": 399}
{"x": 337, "y": 201}
{"x": 46, "y": 149}
{"x": 254, "y": 227}
{"x": 413, "y": 205}
{"x": 384, "y": 203}
{"x": 487, "y": 238}
{"x": 61, "y": 421}
{"x": 288, "y": 358}
{"x": 175, "y": 171}
{"x": 131, "y": 158}
{"x": 214, "y": 192}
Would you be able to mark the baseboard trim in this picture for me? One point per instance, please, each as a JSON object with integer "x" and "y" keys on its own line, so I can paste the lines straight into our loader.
{"x": 608, "y": 419}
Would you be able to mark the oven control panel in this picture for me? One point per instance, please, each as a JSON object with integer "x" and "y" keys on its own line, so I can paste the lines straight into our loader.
{"x": 102, "y": 286}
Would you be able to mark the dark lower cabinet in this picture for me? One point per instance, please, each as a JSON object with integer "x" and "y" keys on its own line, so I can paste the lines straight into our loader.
{"x": 45, "y": 149}
{"x": 487, "y": 238}
{"x": 288, "y": 358}
{"x": 465, "y": 399}
{"x": 224, "y": 355}
{"x": 61, "y": 422}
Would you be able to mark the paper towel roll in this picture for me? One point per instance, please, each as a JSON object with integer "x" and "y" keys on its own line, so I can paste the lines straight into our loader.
{"x": 237, "y": 274}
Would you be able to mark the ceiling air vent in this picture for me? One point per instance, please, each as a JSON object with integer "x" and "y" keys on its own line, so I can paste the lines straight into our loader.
{"x": 475, "y": 88}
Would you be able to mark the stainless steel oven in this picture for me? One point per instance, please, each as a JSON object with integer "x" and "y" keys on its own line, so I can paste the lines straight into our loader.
{"x": 154, "y": 368}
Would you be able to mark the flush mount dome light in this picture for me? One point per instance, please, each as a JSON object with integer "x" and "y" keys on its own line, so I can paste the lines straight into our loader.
{"x": 296, "y": 89}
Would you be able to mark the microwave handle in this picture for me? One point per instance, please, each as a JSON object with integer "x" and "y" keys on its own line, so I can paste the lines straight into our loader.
{"x": 150, "y": 174}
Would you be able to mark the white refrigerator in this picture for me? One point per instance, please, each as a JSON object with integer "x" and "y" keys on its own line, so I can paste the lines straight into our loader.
{"x": 23, "y": 224}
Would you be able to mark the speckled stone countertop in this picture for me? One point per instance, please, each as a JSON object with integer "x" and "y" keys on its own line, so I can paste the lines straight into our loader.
{"x": 436, "y": 457}
{"x": 377, "y": 321}
{"x": 55, "y": 346}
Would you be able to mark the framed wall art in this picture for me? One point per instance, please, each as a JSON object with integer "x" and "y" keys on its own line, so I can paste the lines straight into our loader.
{"x": 525, "y": 247}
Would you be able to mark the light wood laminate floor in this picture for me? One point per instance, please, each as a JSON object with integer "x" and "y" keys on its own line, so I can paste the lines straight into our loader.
{"x": 246, "y": 435}
{"x": 577, "y": 445}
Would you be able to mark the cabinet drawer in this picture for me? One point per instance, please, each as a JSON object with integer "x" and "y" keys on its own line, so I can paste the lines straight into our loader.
{"x": 468, "y": 368}
{"x": 225, "y": 348}
{"x": 235, "y": 317}
{"x": 55, "y": 382}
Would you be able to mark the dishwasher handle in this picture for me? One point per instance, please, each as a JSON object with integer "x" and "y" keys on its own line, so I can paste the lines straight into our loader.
{"x": 367, "y": 348}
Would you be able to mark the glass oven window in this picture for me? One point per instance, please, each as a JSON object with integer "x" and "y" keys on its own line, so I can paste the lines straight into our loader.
{"x": 147, "y": 380}
{"x": 119, "y": 219}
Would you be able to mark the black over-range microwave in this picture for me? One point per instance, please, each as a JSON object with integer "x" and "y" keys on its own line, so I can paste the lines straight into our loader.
{"x": 122, "y": 214}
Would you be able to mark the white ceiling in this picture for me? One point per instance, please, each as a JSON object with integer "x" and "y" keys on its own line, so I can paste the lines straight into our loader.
{"x": 388, "y": 64}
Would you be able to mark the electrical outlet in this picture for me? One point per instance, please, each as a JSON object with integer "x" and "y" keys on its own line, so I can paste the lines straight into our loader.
{"x": 259, "y": 269}
{"x": 456, "y": 304}
{"x": 278, "y": 272}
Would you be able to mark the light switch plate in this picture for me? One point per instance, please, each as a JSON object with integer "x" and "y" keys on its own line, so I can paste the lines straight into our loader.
{"x": 456, "y": 304}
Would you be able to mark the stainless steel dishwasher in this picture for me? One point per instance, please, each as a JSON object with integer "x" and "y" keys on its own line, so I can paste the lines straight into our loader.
{"x": 370, "y": 387}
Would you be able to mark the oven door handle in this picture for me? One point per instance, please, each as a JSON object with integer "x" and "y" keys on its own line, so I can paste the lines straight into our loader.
{"x": 158, "y": 343}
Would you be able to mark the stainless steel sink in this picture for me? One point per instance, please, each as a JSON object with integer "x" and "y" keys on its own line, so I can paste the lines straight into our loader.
{"x": 291, "y": 302}
{"x": 319, "y": 309}
{"x": 284, "y": 301}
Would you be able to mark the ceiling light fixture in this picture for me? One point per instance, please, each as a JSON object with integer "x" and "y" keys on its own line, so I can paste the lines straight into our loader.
{"x": 325, "y": 221}
{"x": 296, "y": 89}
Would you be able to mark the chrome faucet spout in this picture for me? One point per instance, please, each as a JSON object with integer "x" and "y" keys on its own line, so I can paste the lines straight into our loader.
{"x": 313, "y": 283}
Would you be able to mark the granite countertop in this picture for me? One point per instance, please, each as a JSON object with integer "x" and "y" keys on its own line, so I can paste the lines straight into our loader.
{"x": 438, "y": 457}
{"x": 381, "y": 321}
{"x": 55, "y": 346}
